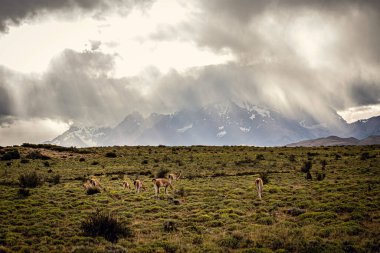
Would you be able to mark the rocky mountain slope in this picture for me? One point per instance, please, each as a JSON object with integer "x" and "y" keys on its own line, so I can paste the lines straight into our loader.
{"x": 217, "y": 124}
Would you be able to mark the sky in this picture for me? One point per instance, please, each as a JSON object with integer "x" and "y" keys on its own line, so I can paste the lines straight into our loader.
{"x": 92, "y": 62}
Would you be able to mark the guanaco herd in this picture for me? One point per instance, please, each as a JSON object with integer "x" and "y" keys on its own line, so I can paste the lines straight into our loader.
{"x": 158, "y": 183}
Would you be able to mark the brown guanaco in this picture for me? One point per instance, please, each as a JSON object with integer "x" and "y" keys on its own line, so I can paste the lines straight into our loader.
{"x": 161, "y": 182}
{"x": 138, "y": 185}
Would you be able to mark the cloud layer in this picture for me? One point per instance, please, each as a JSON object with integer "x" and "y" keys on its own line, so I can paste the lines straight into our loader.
{"x": 15, "y": 12}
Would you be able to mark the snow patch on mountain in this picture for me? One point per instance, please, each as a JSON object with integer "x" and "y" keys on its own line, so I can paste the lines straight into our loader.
{"x": 260, "y": 110}
{"x": 245, "y": 129}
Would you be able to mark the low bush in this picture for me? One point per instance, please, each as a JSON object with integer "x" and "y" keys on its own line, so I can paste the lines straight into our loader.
{"x": 292, "y": 158}
{"x": 55, "y": 179}
{"x": 170, "y": 226}
{"x": 264, "y": 176}
{"x": 105, "y": 225}
{"x": 111, "y": 155}
{"x": 37, "y": 155}
{"x": 23, "y": 193}
{"x": 306, "y": 167}
{"x": 29, "y": 180}
{"x": 260, "y": 157}
{"x": 162, "y": 173}
{"x": 92, "y": 190}
{"x": 320, "y": 176}
{"x": 295, "y": 211}
{"x": 182, "y": 192}
{"x": 10, "y": 155}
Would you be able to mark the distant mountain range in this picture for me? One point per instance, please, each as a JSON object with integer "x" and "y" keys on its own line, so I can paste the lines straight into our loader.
{"x": 216, "y": 124}
{"x": 337, "y": 141}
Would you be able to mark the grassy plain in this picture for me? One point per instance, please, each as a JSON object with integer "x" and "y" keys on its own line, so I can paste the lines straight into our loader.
{"x": 214, "y": 207}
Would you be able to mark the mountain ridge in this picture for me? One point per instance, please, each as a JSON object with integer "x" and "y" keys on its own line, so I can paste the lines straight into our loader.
{"x": 337, "y": 141}
{"x": 224, "y": 123}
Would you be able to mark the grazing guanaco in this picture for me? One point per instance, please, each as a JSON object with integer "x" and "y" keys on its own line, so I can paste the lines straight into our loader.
{"x": 138, "y": 185}
{"x": 88, "y": 184}
{"x": 94, "y": 181}
{"x": 126, "y": 185}
{"x": 259, "y": 186}
{"x": 162, "y": 182}
{"x": 174, "y": 177}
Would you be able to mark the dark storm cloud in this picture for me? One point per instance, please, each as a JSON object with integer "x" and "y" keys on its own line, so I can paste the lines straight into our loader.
{"x": 268, "y": 68}
{"x": 77, "y": 86}
{"x": 364, "y": 93}
{"x": 262, "y": 36}
{"x": 5, "y": 103}
{"x": 234, "y": 24}
{"x": 13, "y": 12}
{"x": 5, "y": 99}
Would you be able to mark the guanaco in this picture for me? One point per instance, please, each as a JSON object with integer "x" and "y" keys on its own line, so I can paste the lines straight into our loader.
{"x": 259, "y": 186}
{"x": 88, "y": 184}
{"x": 138, "y": 185}
{"x": 162, "y": 182}
{"x": 126, "y": 185}
{"x": 174, "y": 177}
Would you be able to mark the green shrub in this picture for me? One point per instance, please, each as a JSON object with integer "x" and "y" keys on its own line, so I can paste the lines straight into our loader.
{"x": 37, "y": 155}
{"x": 162, "y": 173}
{"x": 182, "y": 192}
{"x": 306, "y": 167}
{"x": 292, "y": 158}
{"x": 105, "y": 225}
{"x": 320, "y": 176}
{"x": 260, "y": 157}
{"x": 264, "y": 176}
{"x": 265, "y": 220}
{"x": 295, "y": 211}
{"x": 364, "y": 156}
{"x": 233, "y": 241}
{"x": 170, "y": 226}
{"x": 55, "y": 179}
{"x": 92, "y": 190}
{"x": 198, "y": 239}
{"x": 10, "y": 155}
{"x": 30, "y": 180}
{"x": 319, "y": 216}
{"x": 24, "y": 161}
{"x": 23, "y": 193}
{"x": 111, "y": 155}
{"x": 168, "y": 247}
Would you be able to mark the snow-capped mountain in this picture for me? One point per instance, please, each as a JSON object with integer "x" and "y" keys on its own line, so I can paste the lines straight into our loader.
{"x": 217, "y": 124}
{"x": 81, "y": 137}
